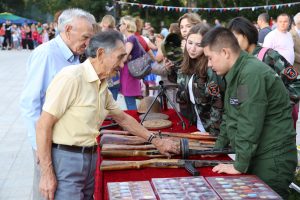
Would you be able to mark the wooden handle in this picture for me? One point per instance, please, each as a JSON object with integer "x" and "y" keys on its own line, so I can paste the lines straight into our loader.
{"x": 127, "y": 147}
{"x": 121, "y": 139}
{"x": 131, "y": 153}
{"x": 194, "y": 135}
{"x": 122, "y": 165}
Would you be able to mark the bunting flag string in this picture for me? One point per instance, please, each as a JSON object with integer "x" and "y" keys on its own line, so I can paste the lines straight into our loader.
{"x": 185, "y": 9}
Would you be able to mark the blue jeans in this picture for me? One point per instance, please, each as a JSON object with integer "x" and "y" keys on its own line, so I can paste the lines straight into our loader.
{"x": 115, "y": 91}
{"x": 130, "y": 103}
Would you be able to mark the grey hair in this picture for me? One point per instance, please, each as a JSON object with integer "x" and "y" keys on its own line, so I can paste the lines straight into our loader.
{"x": 297, "y": 18}
{"x": 68, "y": 16}
{"x": 264, "y": 17}
{"x": 106, "y": 40}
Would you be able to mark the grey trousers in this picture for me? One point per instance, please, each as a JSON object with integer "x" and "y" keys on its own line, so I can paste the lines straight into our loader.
{"x": 36, "y": 195}
{"x": 75, "y": 174}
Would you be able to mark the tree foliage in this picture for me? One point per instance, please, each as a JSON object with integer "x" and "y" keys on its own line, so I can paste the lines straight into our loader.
{"x": 43, "y": 10}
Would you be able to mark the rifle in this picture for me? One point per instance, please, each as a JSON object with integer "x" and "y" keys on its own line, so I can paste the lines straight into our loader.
{"x": 194, "y": 135}
{"x": 108, "y": 165}
{"x": 157, "y": 154}
{"x": 147, "y": 146}
{"x": 136, "y": 140}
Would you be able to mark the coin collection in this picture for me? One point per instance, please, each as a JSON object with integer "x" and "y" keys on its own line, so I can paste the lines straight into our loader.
{"x": 185, "y": 188}
{"x": 241, "y": 187}
{"x": 134, "y": 190}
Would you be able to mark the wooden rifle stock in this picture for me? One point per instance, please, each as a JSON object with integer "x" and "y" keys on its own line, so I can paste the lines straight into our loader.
{"x": 194, "y": 136}
{"x": 126, "y": 147}
{"x": 157, "y": 154}
{"x": 108, "y": 165}
{"x": 121, "y": 139}
{"x": 147, "y": 146}
{"x": 135, "y": 140}
{"x": 131, "y": 153}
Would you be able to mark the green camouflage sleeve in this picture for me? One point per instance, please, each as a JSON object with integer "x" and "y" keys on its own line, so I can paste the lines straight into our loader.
{"x": 215, "y": 88}
{"x": 286, "y": 71}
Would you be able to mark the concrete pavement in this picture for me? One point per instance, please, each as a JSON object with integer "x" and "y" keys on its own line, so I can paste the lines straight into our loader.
{"x": 16, "y": 161}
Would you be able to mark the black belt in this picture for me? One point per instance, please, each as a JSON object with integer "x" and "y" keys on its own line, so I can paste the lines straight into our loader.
{"x": 75, "y": 149}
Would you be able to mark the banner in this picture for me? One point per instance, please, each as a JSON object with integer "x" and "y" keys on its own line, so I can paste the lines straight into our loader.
{"x": 186, "y": 9}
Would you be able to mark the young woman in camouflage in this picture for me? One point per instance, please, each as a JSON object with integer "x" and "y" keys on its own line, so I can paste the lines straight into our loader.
{"x": 247, "y": 36}
{"x": 199, "y": 87}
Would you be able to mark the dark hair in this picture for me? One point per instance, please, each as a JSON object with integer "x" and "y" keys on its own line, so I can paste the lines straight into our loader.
{"x": 197, "y": 65}
{"x": 174, "y": 28}
{"x": 284, "y": 15}
{"x": 243, "y": 26}
{"x": 106, "y": 40}
{"x": 219, "y": 38}
{"x": 264, "y": 17}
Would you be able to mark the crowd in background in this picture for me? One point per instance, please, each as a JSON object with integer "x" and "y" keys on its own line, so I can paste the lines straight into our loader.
{"x": 26, "y": 36}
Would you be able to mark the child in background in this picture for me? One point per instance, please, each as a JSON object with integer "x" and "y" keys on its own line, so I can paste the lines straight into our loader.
{"x": 15, "y": 37}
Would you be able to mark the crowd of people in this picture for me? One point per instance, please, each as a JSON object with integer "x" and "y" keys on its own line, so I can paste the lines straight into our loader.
{"x": 13, "y": 36}
{"x": 237, "y": 82}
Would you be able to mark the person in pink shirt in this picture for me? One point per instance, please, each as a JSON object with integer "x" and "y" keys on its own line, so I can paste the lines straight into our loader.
{"x": 280, "y": 39}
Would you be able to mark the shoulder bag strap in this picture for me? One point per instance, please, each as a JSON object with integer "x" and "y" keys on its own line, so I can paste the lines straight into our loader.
{"x": 262, "y": 53}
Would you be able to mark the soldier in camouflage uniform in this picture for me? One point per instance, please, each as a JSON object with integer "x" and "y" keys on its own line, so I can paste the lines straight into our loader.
{"x": 208, "y": 99}
{"x": 247, "y": 36}
{"x": 200, "y": 90}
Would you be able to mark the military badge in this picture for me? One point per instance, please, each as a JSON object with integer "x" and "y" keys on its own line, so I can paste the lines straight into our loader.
{"x": 290, "y": 73}
{"x": 234, "y": 101}
{"x": 213, "y": 89}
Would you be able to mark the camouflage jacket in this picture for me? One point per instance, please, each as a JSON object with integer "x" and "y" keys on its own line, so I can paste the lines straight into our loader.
{"x": 284, "y": 69}
{"x": 208, "y": 93}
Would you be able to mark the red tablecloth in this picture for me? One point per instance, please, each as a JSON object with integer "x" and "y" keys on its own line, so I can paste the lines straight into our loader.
{"x": 102, "y": 178}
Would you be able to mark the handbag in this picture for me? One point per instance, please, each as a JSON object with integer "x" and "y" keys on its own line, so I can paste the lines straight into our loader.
{"x": 141, "y": 66}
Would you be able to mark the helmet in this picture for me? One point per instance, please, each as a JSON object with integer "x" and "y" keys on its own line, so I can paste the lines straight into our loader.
{"x": 171, "y": 48}
{"x": 145, "y": 104}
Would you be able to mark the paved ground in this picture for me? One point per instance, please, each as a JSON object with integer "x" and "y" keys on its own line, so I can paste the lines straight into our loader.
{"x": 16, "y": 161}
{"x": 15, "y": 152}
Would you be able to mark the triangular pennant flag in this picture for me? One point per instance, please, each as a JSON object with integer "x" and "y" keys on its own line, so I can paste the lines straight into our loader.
{"x": 277, "y": 6}
{"x": 177, "y": 9}
{"x": 253, "y": 8}
{"x": 144, "y": 6}
{"x": 180, "y": 9}
{"x": 289, "y": 5}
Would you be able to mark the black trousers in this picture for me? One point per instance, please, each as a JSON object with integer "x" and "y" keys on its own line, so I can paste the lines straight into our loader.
{"x": 7, "y": 38}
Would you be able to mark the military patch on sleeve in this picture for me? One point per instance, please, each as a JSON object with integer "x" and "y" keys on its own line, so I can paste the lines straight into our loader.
{"x": 290, "y": 73}
{"x": 213, "y": 89}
